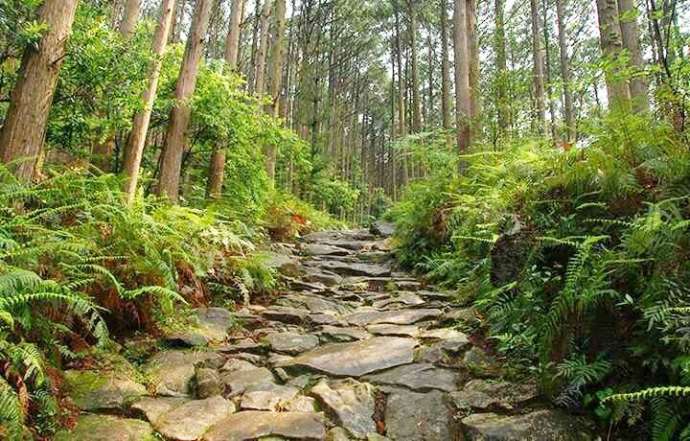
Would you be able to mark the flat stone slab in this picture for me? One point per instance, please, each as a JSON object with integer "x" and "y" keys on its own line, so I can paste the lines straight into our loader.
{"x": 412, "y": 416}
{"x": 358, "y": 358}
{"x": 355, "y": 269}
{"x": 536, "y": 426}
{"x": 315, "y": 249}
{"x": 292, "y": 342}
{"x": 394, "y": 330}
{"x": 443, "y": 334}
{"x": 214, "y": 323}
{"x": 92, "y": 427}
{"x": 250, "y": 425}
{"x": 92, "y": 391}
{"x": 405, "y": 298}
{"x": 351, "y": 402}
{"x": 239, "y": 381}
{"x": 155, "y": 407}
{"x": 171, "y": 371}
{"x": 343, "y": 334}
{"x": 397, "y": 317}
{"x": 271, "y": 397}
{"x": 494, "y": 395}
{"x": 419, "y": 377}
{"x": 286, "y": 314}
{"x": 191, "y": 420}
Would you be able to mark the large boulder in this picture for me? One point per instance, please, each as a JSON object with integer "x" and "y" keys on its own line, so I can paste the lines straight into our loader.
{"x": 171, "y": 372}
{"x": 412, "y": 416}
{"x": 91, "y": 427}
{"x": 251, "y": 425}
{"x": 102, "y": 390}
{"x": 351, "y": 402}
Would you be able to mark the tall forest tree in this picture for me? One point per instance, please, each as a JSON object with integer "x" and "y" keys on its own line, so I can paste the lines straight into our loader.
{"x": 22, "y": 135}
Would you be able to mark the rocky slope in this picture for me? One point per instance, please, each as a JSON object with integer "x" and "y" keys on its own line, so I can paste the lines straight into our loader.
{"x": 352, "y": 349}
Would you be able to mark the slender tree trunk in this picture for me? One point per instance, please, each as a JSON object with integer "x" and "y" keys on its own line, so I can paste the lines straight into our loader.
{"x": 445, "y": 68}
{"x": 617, "y": 86}
{"x": 275, "y": 79}
{"x": 216, "y": 171}
{"x": 502, "y": 107}
{"x": 130, "y": 18}
{"x": 176, "y": 31}
{"x": 134, "y": 149}
{"x": 566, "y": 75}
{"x": 630, "y": 34}
{"x": 416, "y": 104}
{"x": 538, "y": 70}
{"x": 473, "y": 44}
{"x": 175, "y": 137}
{"x": 402, "y": 131}
{"x": 463, "y": 94}
{"x": 232, "y": 42}
{"x": 263, "y": 49}
{"x": 21, "y": 138}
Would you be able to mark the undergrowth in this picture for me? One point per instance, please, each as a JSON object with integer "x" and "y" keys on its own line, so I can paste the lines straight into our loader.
{"x": 578, "y": 262}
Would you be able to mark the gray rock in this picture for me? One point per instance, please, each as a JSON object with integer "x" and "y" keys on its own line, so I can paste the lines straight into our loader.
{"x": 107, "y": 428}
{"x": 92, "y": 390}
{"x": 412, "y": 416}
{"x": 268, "y": 397}
{"x": 419, "y": 377}
{"x": 382, "y": 228}
{"x": 358, "y": 358}
{"x": 291, "y": 342}
{"x": 394, "y": 330}
{"x": 286, "y": 314}
{"x": 536, "y": 426}
{"x": 155, "y": 407}
{"x": 351, "y": 402}
{"x": 315, "y": 249}
{"x": 323, "y": 319}
{"x": 481, "y": 364}
{"x": 494, "y": 395}
{"x": 356, "y": 269}
{"x": 301, "y": 404}
{"x": 405, "y": 298}
{"x": 214, "y": 323}
{"x": 337, "y": 434}
{"x": 344, "y": 334}
{"x": 283, "y": 263}
{"x": 237, "y": 364}
{"x": 208, "y": 383}
{"x": 191, "y": 420}
{"x": 249, "y": 425}
{"x": 171, "y": 371}
{"x": 188, "y": 339}
{"x": 397, "y": 317}
{"x": 444, "y": 334}
{"x": 239, "y": 381}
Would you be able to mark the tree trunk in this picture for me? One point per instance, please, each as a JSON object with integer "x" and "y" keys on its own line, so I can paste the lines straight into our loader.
{"x": 617, "y": 86}
{"x": 134, "y": 149}
{"x": 566, "y": 75}
{"x": 130, "y": 17}
{"x": 445, "y": 68}
{"x": 630, "y": 34}
{"x": 232, "y": 42}
{"x": 21, "y": 138}
{"x": 402, "y": 130}
{"x": 175, "y": 137}
{"x": 412, "y": 32}
{"x": 263, "y": 49}
{"x": 275, "y": 79}
{"x": 538, "y": 70}
{"x": 473, "y": 45}
{"x": 216, "y": 171}
{"x": 463, "y": 94}
{"x": 502, "y": 108}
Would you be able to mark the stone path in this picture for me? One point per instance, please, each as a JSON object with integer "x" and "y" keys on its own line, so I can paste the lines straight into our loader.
{"x": 352, "y": 349}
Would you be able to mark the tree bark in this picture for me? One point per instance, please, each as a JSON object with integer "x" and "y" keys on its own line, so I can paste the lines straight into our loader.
{"x": 445, "y": 68}
{"x": 129, "y": 19}
{"x": 275, "y": 79}
{"x": 463, "y": 94}
{"x": 611, "y": 42}
{"x": 175, "y": 137}
{"x": 260, "y": 67}
{"x": 473, "y": 44}
{"x": 412, "y": 32}
{"x": 566, "y": 75}
{"x": 21, "y": 138}
{"x": 402, "y": 130}
{"x": 134, "y": 149}
{"x": 538, "y": 70}
{"x": 502, "y": 108}
{"x": 630, "y": 34}
{"x": 232, "y": 42}
{"x": 216, "y": 171}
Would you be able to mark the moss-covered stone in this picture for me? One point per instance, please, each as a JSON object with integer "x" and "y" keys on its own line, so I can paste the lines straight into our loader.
{"x": 107, "y": 428}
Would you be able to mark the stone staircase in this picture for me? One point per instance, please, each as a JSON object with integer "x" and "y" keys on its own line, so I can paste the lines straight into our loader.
{"x": 351, "y": 350}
